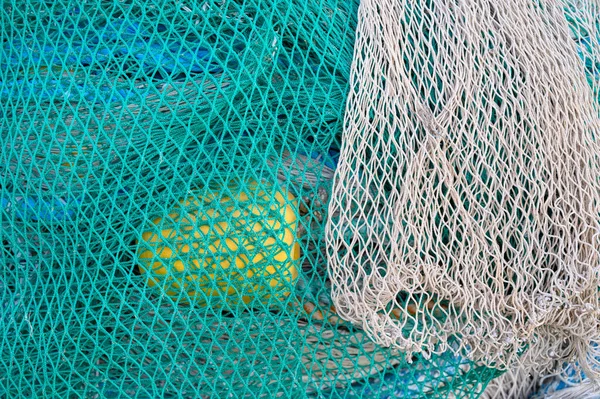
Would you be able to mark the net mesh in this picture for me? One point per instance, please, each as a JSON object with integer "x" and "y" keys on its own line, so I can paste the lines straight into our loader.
{"x": 166, "y": 170}
{"x": 166, "y": 177}
{"x": 568, "y": 381}
{"x": 465, "y": 201}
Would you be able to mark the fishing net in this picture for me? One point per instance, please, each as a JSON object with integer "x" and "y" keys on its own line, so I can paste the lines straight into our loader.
{"x": 568, "y": 381}
{"x": 465, "y": 202}
{"x": 166, "y": 176}
{"x": 165, "y": 171}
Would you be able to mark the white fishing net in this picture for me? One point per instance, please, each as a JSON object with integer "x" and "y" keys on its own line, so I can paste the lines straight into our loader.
{"x": 518, "y": 383}
{"x": 466, "y": 201}
{"x": 567, "y": 381}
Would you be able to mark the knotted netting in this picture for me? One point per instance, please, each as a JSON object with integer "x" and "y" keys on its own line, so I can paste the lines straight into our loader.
{"x": 166, "y": 170}
{"x": 167, "y": 173}
{"x": 568, "y": 381}
{"x": 467, "y": 194}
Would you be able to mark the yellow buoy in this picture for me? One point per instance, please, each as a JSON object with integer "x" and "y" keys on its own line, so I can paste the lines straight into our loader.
{"x": 221, "y": 249}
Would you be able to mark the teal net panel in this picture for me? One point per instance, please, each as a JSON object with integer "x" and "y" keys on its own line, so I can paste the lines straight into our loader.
{"x": 165, "y": 171}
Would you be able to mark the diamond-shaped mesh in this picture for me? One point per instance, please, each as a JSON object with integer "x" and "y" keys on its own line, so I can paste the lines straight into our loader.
{"x": 583, "y": 17}
{"x": 166, "y": 170}
{"x": 466, "y": 198}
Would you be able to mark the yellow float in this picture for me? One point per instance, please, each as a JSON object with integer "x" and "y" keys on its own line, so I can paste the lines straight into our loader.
{"x": 224, "y": 249}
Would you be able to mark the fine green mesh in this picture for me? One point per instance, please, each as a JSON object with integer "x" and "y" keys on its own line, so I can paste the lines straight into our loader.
{"x": 165, "y": 172}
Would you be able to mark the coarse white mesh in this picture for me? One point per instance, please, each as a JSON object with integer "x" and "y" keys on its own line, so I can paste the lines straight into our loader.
{"x": 466, "y": 201}
{"x": 516, "y": 383}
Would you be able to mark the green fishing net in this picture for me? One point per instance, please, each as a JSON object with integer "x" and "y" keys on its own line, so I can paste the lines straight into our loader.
{"x": 165, "y": 175}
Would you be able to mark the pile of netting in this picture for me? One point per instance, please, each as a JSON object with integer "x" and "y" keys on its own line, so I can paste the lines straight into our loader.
{"x": 167, "y": 175}
{"x": 568, "y": 381}
{"x": 165, "y": 172}
{"x": 466, "y": 200}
